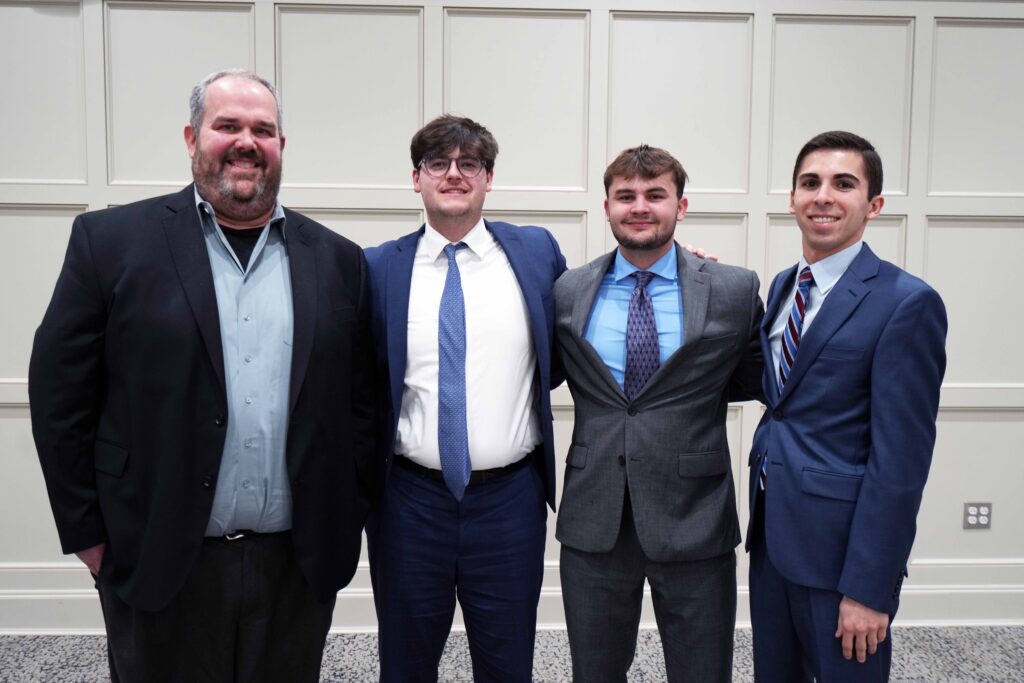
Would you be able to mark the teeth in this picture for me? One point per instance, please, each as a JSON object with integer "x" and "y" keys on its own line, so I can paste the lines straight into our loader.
{"x": 824, "y": 219}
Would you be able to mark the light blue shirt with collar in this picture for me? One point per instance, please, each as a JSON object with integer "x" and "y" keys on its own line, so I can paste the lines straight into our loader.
{"x": 254, "y": 306}
{"x": 826, "y": 274}
{"x": 606, "y": 328}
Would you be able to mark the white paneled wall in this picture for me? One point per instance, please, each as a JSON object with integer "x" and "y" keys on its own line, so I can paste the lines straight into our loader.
{"x": 95, "y": 100}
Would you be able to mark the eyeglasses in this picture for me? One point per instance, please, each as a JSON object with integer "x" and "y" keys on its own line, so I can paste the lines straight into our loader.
{"x": 437, "y": 167}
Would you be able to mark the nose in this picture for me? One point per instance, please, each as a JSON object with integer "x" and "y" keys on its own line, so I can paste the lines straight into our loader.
{"x": 639, "y": 206}
{"x": 824, "y": 194}
{"x": 244, "y": 139}
{"x": 453, "y": 171}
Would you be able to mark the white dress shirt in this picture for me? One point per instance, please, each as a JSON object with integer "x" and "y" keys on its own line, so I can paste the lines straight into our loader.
{"x": 500, "y": 358}
{"x": 826, "y": 274}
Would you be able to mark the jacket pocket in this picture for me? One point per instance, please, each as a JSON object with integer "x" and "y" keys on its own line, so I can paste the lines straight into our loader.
{"x": 706, "y": 464}
{"x": 109, "y": 458}
{"x": 840, "y": 352}
{"x": 577, "y": 456}
{"x": 831, "y": 485}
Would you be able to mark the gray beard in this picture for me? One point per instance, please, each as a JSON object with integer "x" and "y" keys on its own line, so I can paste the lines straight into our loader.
{"x": 220, "y": 192}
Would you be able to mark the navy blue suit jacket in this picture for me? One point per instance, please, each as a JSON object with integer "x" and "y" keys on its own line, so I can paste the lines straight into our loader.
{"x": 536, "y": 261}
{"x": 849, "y": 440}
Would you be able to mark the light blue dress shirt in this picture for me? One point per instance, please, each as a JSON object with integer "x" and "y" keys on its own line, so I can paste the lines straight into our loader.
{"x": 254, "y": 305}
{"x": 826, "y": 274}
{"x": 606, "y": 329}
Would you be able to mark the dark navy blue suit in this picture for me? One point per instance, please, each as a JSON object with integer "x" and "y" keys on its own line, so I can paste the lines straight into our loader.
{"x": 416, "y": 565}
{"x": 848, "y": 444}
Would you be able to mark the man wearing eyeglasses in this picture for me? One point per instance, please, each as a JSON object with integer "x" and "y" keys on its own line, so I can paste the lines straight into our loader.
{"x": 462, "y": 317}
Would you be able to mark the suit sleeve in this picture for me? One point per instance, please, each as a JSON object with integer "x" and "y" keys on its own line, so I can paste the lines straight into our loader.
{"x": 906, "y": 375}
{"x": 746, "y": 382}
{"x": 365, "y": 390}
{"x": 65, "y": 386}
{"x": 557, "y": 367}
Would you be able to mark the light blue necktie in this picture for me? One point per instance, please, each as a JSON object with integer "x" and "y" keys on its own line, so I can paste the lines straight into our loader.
{"x": 452, "y": 433}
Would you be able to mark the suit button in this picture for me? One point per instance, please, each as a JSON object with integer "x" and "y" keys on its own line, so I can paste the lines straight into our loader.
{"x": 632, "y": 411}
{"x": 777, "y": 414}
{"x": 622, "y": 460}
{"x": 219, "y": 421}
{"x": 208, "y": 483}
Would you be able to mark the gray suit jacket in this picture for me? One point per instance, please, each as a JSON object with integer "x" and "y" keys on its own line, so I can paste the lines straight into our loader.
{"x": 668, "y": 445}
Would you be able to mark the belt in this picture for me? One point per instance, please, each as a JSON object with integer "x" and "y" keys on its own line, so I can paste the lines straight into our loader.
{"x": 241, "y": 534}
{"x": 477, "y": 476}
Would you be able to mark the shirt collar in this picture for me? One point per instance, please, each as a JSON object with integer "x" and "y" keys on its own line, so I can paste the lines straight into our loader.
{"x": 206, "y": 209}
{"x": 477, "y": 239}
{"x": 828, "y": 270}
{"x": 665, "y": 267}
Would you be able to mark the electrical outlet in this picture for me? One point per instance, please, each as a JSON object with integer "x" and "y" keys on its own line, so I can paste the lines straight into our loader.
{"x": 977, "y": 515}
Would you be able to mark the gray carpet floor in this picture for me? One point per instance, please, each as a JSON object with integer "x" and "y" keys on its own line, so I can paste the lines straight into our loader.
{"x": 921, "y": 655}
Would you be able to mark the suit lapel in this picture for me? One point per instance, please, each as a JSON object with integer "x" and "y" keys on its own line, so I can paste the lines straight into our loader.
{"x": 302, "y": 266}
{"x": 583, "y": 303}
{"x": 776, "y": 295}
{"x": 192, "y": 261}
{"x": 398, "y": 277}
{"x": 842, "y": 301}
{"x": 694, "y": 284}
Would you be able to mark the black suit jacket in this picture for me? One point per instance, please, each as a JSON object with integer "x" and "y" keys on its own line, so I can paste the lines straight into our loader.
{"x": 129, "y": 407}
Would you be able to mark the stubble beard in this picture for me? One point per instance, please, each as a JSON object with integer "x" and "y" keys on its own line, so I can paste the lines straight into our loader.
{"x": 651, "y": 243}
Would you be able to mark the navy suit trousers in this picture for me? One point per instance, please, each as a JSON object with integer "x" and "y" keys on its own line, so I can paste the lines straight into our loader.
{"x": 427, "y": 550}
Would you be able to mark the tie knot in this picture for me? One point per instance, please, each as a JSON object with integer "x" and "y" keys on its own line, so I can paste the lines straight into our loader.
{"x": 642, "y": 278}
{"x": 450, "y": 249}
{"x": 806, "y": 278}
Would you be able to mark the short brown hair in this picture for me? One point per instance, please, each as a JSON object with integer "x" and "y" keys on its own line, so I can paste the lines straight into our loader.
{"x": 446, "y": 132}
{"x": 646, "y": 162}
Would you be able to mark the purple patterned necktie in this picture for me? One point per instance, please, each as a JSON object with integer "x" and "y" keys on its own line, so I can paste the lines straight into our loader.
{"x": 791, "y": 340}
{"x": 642, "y": 353}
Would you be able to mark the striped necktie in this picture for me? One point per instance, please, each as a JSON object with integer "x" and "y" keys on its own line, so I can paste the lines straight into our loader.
{"x": 791, "y": 340}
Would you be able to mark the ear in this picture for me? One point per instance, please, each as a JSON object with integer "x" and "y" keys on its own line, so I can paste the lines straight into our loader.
{"x": 416, "y": 179}
{"x": 282, "y": 143}
{"x": 190, "y": 140}
{"x": 490, "y": 180}
{"x": 876, "y": 205}
{"x": 684, "y": 203}
{"x": 792, "y": 209}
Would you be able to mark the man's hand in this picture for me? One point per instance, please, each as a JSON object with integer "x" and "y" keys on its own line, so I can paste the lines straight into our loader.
{"x": 700, "y": 253}
{"x": 861, "y": 629}
{"x": 92, "y": 557}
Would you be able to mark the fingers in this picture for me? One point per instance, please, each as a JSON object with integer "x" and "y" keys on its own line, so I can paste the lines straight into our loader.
{"x": 847, "y": 645}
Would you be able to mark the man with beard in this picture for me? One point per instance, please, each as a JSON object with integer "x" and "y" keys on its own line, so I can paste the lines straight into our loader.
{"x": 202, "y": 412}
{"x": 655, "y": 343}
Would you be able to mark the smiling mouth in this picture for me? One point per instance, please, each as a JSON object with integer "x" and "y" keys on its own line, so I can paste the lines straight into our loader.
{"x": 823, "y": 220}
{"x": 454, "y": 190}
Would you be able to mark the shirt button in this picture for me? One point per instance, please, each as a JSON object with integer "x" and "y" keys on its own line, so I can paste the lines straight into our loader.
{"x": 247, "y": 318}
{"x": 248, "y": 400}
{"x": 248, "y": 359}
{"x": 245, "y": 484}
{"x": 248, "y": 443}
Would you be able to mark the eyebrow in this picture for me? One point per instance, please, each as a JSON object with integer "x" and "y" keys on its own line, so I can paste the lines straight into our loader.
{"x": 837, "y": 176}
{"x": 630, "y": 190}
{"x": 234, "y": 119}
